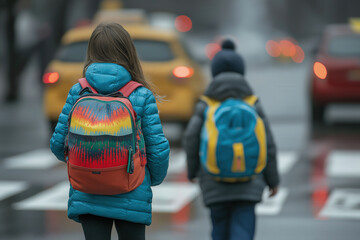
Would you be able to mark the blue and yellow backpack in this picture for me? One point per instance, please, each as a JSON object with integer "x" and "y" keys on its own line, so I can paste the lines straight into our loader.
{"x": 233, "y": 139}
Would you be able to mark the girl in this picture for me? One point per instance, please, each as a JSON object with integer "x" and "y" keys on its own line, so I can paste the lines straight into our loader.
{"x": 111, "y": 62}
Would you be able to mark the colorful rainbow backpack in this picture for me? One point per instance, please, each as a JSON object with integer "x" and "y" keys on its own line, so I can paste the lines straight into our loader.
{"x": 233, "y": 140}
{"x": 105, "y": 148}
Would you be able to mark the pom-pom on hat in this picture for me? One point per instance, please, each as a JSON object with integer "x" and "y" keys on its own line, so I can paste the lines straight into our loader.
{"x": 227, "y": 60}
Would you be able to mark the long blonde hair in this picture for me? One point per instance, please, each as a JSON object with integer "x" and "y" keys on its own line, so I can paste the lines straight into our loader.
{"x": 110, "y": 42}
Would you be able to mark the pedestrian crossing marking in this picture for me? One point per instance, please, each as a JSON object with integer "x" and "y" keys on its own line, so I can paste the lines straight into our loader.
{"x": 273, "y": 205}
{"x": 167, "y": 198}
{"x": 54, "y": 198}
{"x": 45, "y": 159}
{"x": 343, "y": 163}
{"x": 36, "y": 159}
{"x": 177, "y": 163}
{"x": 11, "y": 188}
{"x": 172, "y": 197}
{"x": 343, "y": 204}
{"x": 286, "y": 161}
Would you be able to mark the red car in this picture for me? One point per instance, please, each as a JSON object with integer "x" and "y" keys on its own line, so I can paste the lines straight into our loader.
{"x": 336, "y": 70}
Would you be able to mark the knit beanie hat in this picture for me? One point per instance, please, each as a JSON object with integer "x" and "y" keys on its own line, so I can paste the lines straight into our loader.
{"x": 227, "y": 60}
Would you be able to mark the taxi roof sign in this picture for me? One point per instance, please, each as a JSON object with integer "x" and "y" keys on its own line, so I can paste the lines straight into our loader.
{"x": 355, "y": 24}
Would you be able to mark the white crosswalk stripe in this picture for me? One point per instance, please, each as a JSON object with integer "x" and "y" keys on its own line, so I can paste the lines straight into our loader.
{"x": 342, "y": 203}
{"x": 54, "y": 198}
{"x": 286, "y": 161}
{"x": 273, "y": 205}
{"x": 45, "y": 159}
{"x": 343, "y": 163}
{"x": 167, "y": 197}
{"x": 177, "y": 162}
{"x": 37, "y": 159}
{"x": 172, "y": 197}
{"x": 11, "y": 188}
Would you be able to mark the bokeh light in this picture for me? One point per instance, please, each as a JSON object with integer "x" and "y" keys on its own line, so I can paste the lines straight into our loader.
{"x": 273, "y": 48}
{"x": 51, "y": 77}
{"x": 183, "y": 23}
{"x": 212, "y": 49}
{"x": 183, "y": 72}
{"x": 320, "y": 70}
{"x": 299, "y": 55}
{"x": 287, "y": 48}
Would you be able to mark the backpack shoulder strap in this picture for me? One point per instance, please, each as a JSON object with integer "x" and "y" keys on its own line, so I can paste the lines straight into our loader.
{"x": 84, "y": 84}
{"x": 208, "y": 100}
{"x": 251, "y": 100}
{"x": 129, "y": 88}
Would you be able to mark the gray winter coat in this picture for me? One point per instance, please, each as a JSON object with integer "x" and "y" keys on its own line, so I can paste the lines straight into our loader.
{"x": 228, "y": 85}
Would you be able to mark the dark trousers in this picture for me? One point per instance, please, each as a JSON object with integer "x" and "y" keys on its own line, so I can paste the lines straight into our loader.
{"x": 233, "y": 221}
{"x": 99, "y": 228}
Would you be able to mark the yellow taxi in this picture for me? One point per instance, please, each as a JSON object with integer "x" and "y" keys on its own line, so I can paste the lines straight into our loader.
{"x": 165, "y": 61}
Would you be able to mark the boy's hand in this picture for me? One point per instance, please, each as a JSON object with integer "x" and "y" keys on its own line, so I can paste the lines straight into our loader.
{"x": 273, "y": 191}
{"x": 192, "y": 180}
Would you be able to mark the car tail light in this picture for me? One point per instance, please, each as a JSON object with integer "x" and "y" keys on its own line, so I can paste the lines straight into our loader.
{"x": 83, "y": 23}
{"x": 287, "y": 48}
{"x": 51, "y": 77}
{"x": 320, "y": 70}
{"x": 183, "y": 72}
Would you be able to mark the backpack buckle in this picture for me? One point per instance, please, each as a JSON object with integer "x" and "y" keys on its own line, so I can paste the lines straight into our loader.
{"x": 115, "y": 94}
{"x": 87, "y": 89}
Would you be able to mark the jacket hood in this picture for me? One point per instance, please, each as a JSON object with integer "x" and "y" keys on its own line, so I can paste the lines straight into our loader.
{"x": 228, "y": 85}
{"x": 107, "y": 77}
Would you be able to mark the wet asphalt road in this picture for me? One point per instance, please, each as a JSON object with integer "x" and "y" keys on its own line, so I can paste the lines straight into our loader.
{"x": 282, "y": 88}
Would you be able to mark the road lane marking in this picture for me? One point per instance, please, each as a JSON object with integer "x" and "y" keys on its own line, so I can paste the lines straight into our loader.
{"x": 343, "y": 163}
{"x": 37, "y": 159}
{"x": 286, "y": 161}
{"x": 11, "y": 188}
{"x": 274, "y": 205}
{"x": 177, "y": 162}
{"x": 45, "y": 159}
{"x": 168, "y": 198}
{"x": 54, "y": 198}
{"x": 172, "y": 197}
{"x": 342, "y": 203}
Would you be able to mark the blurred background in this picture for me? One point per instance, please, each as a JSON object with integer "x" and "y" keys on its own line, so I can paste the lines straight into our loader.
{"x": 302, "y": 59}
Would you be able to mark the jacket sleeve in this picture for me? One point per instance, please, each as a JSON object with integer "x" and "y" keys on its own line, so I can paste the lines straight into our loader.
{"x": 270, "y": 172}
{"x": 57, "y": 140}
{"x": 157, "y": 146}
{"x": 191, "y": 141}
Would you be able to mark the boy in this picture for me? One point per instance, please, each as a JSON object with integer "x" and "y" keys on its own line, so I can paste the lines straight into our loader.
{"x": 232, "y": 205}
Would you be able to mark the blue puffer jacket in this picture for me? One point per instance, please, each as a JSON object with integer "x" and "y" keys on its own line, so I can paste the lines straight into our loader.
{"x": 134, "y": 206}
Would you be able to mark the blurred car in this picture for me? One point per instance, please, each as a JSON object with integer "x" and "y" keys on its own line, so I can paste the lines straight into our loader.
{"x": 164, "y": 59}
{"x": 122, "y": 16}
{"x": 111, "y": 4}
{"x": 336, "y": 69}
